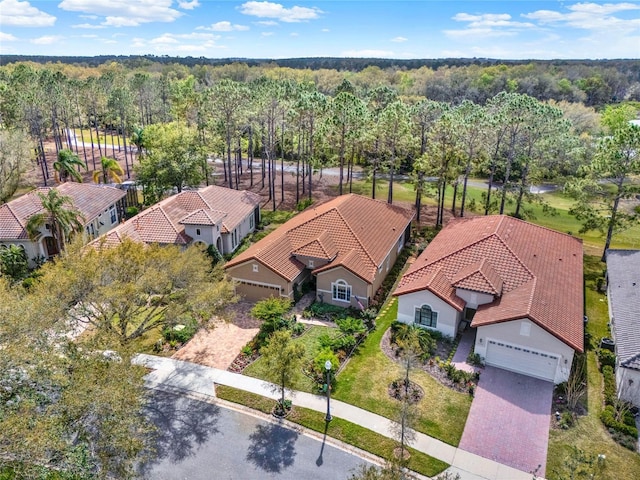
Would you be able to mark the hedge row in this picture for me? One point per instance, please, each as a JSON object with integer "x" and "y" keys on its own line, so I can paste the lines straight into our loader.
{"x": 608, "y": 417}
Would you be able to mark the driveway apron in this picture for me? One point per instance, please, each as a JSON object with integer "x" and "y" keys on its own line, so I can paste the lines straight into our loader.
{"x": 509, "y": 420}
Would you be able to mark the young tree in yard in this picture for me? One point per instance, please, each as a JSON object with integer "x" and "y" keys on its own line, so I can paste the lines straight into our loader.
{"x": 76, "y": 413}
{"x": 60, "y": 213}
{"x": 173, "y": 159}
{"x": 133, "y": 288}
{"x": 607, "y": 181}
{"x": 13, "y": 262}
{"x": 66, "y": 166}
{"x": 111, "y": 169}
{"x": 15, "y": 158}
{"x": 284, "y": 361}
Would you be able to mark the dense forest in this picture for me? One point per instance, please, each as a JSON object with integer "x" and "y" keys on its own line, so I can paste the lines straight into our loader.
{"x": 515, "y": 123}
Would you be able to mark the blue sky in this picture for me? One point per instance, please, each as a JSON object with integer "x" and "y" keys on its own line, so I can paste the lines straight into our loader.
{"x": 272, "y": 29}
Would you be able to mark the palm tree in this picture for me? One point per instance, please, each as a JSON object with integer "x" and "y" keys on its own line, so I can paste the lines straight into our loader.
{"x": 60, "y": 213}
{"x": 137, "y": 138}
{"x": 65, "y": 166}
{"x": 110, "y": 169}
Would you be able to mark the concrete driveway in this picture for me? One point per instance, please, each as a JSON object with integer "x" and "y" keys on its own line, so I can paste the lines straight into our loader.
{"x": 509, "y": 420}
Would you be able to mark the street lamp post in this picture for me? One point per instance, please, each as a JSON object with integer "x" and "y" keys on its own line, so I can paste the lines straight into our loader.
{"x": 327, "y": 367}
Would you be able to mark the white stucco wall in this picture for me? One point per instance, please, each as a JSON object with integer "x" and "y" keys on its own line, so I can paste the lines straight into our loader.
{"x": 628, "y": 385}
{"x": 473, "y": 299}
{"x": 243, "y": 229}
{"x": 538, "y": 339}
{"x": 448, "y": 317}
{"x": 208, "y": 233}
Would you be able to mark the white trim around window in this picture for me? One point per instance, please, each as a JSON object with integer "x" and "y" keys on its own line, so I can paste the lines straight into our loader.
{"x": 341, "y": 291}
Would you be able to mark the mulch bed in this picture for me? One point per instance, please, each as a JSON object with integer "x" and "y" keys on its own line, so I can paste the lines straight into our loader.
{"x": 242, "y": 361}
{"x": 430, "y": 366}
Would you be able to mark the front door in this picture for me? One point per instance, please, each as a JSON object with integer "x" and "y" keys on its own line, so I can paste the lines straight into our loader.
{"x": 50, "y": 247}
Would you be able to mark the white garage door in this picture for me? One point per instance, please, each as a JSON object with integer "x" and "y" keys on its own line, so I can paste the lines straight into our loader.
{"x": 521, "y": 360}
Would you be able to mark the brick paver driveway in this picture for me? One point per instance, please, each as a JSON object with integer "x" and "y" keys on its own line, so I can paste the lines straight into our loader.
{"x": 509, "y": 420}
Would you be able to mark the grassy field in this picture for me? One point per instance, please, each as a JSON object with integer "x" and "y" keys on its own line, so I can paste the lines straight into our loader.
{"x": 442, "y": 412}
{"x": 310, "y": 341}
{"x": 339, "y": 429}
{"x": 589, "y": 434}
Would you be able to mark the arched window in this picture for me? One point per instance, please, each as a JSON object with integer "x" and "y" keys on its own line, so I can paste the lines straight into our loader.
{"x": 341, "y": 291}
{"x": 426, "y": 316}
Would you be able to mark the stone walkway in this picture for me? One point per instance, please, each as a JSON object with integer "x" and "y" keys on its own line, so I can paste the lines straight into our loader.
{"x": 218, "y": 346}
{"x": 465, "y": 346}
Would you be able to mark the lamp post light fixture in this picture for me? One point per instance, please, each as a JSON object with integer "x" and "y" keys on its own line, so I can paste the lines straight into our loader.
{"x": 327, "y": 367}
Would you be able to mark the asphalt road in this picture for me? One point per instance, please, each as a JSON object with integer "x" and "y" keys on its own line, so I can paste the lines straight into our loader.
{"x": 199, "y": 440}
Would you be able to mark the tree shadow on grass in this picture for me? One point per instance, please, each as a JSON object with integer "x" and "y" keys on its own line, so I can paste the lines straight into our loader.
{"x": 272, "y": 447}
{"x": 182, "y": 425}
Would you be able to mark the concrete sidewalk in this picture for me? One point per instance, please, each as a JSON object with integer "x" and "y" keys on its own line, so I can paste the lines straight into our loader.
{"x": 193, "y": 378}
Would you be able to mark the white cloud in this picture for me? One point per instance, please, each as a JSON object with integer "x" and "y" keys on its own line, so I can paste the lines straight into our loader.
{"x": 188, "y": 5}
{"x": 325, "y": 30}
{"x": 21, "y": 14}
{"x": 294, "y": 34}
{"x": 87, "y": 25}
{"x": 267, "y": 23}
{"x": 589, "y": 16}
{"x": 197, "y": 43}
{"x": 276, "y": 10}
{"x": 478, "y": 33}
{"x": 224, "y": 26}
{"x": 46, "y": 40}
{"x": 130, "y": 13}
{"x": 367, "y": 53}
{"x": 89, "y": 17}
{"x": 399, "y": 39}
{"x": 491, "y": 20}
{"x": 266, "y": 34}
{"x": 7, "y": 37}
{"x": 88, "y": 36}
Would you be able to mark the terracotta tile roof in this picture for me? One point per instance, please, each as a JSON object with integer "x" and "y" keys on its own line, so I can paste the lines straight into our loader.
{"x": 203, "y": 217}
{"x": 90, "y": 199}
{"x": 623, "y": 277}
{"x": 360, "y": 230}
{"x": 479, "y": 277}
{"x": 535, "y": 272}
{"x": 164, "y": 222}
{"x": 321, "y": 247}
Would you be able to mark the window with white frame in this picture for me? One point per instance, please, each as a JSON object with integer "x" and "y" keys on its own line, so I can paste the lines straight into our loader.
{"x": 255, "y": 267}
{"x": 341, "y": 291}
{"x": 251, "y": 221}
{"x": 310, "y": 263}
{"x": 114, "y": 215}
{"x": 426, "y": 316}
{"x": 400, "y": 243}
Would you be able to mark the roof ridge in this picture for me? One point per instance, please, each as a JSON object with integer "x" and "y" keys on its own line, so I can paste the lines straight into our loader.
{"x": 514, "y": 253}
{"x": 510, "y": 218}
{"x": 355, "y": 236}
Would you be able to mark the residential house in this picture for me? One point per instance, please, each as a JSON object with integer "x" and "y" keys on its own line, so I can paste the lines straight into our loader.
{"x": 101, "y": 207}
{"x": 623, "y": 292}
{"x": 519, "y": 285}
{"x": 209, "y": 216}
{"x": 347, "y": 245}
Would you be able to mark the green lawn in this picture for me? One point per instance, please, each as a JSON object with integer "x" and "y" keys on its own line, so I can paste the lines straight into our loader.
{"x": 364, "y": 382}
{"x": 339, "y": 429}
{"x": 589, "y": 434}
{"x": 310, "y": 341}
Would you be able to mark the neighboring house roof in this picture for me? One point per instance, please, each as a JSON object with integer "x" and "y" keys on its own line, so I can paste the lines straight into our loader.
{"x": 532, "y": 271}
{"x": 623, "y": 276}
{"x": 350, "y": 231}
{"x": 88, "y": 198}
{"x": 164, "y": 222}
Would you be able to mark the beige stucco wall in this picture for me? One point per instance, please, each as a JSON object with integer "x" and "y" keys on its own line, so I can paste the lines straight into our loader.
{"x": 256, "y": 283}
{"x": 359, "y": 287}
{"x": 538, "y": 339}
{"x": 448, "y": 317}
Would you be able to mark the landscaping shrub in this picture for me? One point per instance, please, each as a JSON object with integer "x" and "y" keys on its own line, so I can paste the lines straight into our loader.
{"x": 181, "y": 335}
{"x": 302, "y": 204}
{"x": 426, "y": 340}
{"x": 369, "y": 316}
{"x": 608, "y": 417}
{"x": 317, "y": 369}
{"x": 474, "y": 359}
{"x": 326, "y": 310}
{"x": 272, "y": 308}
{"x": 606, "y": 357}
{"x": 351, "y": 326}
{"x": 610, "y": 396}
